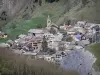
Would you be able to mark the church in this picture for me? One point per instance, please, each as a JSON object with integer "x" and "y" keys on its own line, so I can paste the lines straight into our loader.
{"x": 50, "y": 23}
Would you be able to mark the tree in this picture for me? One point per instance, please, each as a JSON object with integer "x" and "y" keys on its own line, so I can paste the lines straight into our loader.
{"x": 51, "y": 1}
{"x": 52, "y": 30}
{"x": 36, "y": 1}
{"x": 84, "y": 2}
{"x": 13, "y": 26}
{"x": 95, "y": 1}
{"x": 67, "y": 38}
{"x": 44, "y": 45}
{"x": 68, "y": 5}
{"x": 39, "y": 26}
{"x": 61, "y": 46}
{"x": 3, "y": 16}
{"x": 40, "y": 2}
{"x": 51, "y": 51}
{"x": 56, "y": 0}
{"x": 69, "y": 22}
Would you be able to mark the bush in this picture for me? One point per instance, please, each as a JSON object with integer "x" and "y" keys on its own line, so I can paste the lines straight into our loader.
{"x": 13, "y": 64}
{"x": 51, "y": 51}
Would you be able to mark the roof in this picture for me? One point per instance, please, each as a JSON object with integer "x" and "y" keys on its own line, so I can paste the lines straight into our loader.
{"x": 29, "y": 53}
{"x": 81, "y": 22}
{"x": 21, "y": 36}
{"x": 9, "y": 41}
{"x": 72, "y": 30}
{"x": 35, "y": 39}
{"x": 78, "y": 36}
{"x": 19, "y": 41}
{"x": 60, "y": 52}
{"x": 35, "y": 31}
{"x": 4, "y": 45}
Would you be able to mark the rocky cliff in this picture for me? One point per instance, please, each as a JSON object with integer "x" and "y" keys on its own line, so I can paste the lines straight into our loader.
{"x": 9, "y": 9}
{"x": 25, "y": 8}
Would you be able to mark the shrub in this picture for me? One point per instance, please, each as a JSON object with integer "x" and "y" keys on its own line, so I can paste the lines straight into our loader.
{"x": 13, "y": 64}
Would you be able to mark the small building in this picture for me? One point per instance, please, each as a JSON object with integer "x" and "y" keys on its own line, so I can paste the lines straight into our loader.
{"x": 10, "y": 42}
{"x": 81, "y": 23}
{"x": 53, "y": 40}
{"x": 30, "y": 53}
{"x": 48, "y": 35}
{"x": 29, "y": 43}
{"x": 34, "y": 44}
{"x": 3, "y": 35}
{"x": 48, "y": 58}
{"x": 59, "y": 56}
{"x": 36, "y": 32}
{"x": 27, "y": 38}
{"x": 72, "y": 31}
{"x": 86, "y": 42}
{"x": 65, "y": 27}
{"x": 4, "y": 45}
{"x": 96, "y": 28}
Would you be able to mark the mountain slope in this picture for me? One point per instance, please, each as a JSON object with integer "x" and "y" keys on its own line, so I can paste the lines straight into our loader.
{"x": 33, "y": 13}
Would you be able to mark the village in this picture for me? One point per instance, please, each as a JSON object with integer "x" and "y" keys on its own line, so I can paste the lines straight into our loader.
{"x": 57, "y": 43}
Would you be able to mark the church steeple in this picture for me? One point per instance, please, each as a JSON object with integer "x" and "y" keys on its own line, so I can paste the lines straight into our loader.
{"x": 48, "y": 21}
{"x": 64, "y": 24}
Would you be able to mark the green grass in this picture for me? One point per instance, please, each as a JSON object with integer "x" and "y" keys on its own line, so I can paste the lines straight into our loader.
{"x": 95, "y": 49}
{"x": 16, "y": 27}
{"x": 22, "y": 26}
{"x": 58, "y": 13}
{"x": 3, "y": 40}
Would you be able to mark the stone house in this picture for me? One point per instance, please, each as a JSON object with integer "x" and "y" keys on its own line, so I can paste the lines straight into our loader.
{"x": 35, "y": 32}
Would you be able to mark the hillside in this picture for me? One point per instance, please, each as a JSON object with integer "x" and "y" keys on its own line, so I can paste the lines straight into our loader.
{"x": 24, "y": 15}
{"x": 95, "y": 49}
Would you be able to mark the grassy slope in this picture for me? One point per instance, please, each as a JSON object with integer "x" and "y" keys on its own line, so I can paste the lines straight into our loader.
{"x": 57, "y": 11}
{"x": 23, "y": 26}
{"x": 89, "y": 13}
{"x": 95, "y": 49}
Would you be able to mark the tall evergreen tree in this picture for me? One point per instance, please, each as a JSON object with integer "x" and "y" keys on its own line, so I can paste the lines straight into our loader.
{"x": 40, "y": 2}
{"x": 44, "y": 45}
{"x": 84, "y": 2}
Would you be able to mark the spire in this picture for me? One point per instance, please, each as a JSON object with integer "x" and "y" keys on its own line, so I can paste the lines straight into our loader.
{"x": 48, "y": 21}
{"x": 64, "y": 24}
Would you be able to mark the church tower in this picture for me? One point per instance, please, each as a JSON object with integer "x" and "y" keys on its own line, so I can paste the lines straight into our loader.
{"x": 64, "y": 24}
{"x": 48, "y": 21}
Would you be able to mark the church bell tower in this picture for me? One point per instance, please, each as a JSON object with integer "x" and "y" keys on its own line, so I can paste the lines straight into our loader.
{"x": 48, "y": 21}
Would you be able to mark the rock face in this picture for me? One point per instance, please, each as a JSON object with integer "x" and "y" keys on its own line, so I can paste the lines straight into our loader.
{"x": 11, "y": 7}
{"x": 75, "y": 9}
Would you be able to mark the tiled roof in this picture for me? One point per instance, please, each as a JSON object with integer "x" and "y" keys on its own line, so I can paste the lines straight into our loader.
{"x": 35, "y": 31}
